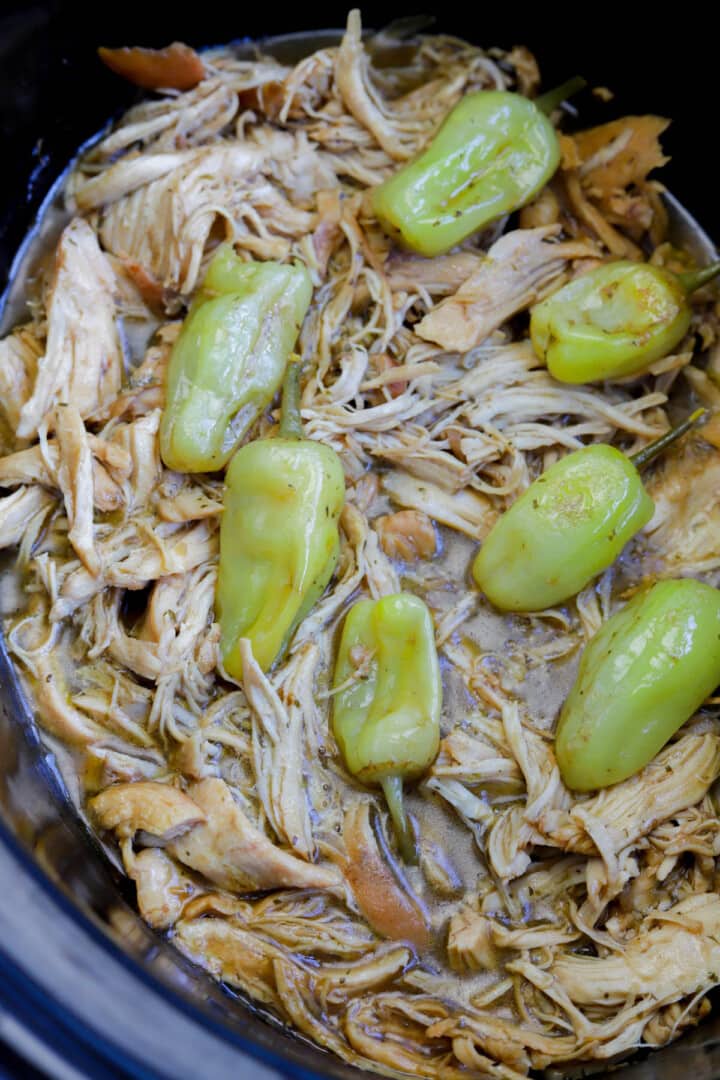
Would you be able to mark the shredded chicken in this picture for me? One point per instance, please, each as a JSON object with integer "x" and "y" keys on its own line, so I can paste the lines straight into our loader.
{"x": 518, "y": 269}
{"x": 161, "y": 216}
{"x": 75, "y": 479}
{"x": 161, "y": 890}
{"x": 161, "y": 810}
{"x": 540, "y": 928}
{"x": 19, "y": 356}
{"x": 230, "y": 851}
{"x": 82, "y": 363}
{"x": 684, "y": 528}
{"x": 675, "y": 952}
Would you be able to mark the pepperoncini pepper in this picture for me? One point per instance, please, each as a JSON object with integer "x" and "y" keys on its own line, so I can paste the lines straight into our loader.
{"x": 493, "y": 153}
{"x": 570, "y": 524}
{"x": 646, "y": 671}
{"x": 229, "y": 360}
{"x": 278, "y": 536}
{"x": 387, "y": 699}
{"x": 613, "y": 321}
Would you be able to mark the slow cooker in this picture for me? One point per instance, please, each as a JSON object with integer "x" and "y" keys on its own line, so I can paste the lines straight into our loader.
{"x": 86, "y": 988}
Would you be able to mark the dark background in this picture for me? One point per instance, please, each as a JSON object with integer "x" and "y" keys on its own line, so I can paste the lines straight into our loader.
{"x": 54, "y": 93}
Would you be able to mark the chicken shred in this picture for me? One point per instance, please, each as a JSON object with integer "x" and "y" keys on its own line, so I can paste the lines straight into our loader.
{"x": 231, "y": 852}
{"x": 82, "y": 363}
{"x": 75, "y": 479}
{"x": 517, "y": 271}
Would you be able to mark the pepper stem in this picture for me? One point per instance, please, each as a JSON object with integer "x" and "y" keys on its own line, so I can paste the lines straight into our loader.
{"x": 651, "y": 451}
{"x": 549, "y": 101}
{"x": 291, "y": 419}
{"x": 695, "y": 279}
{"x": 393, "y": 790}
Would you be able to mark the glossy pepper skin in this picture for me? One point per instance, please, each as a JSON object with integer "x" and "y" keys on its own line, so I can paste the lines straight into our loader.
{"x": 229, "y": 360}
{"x": 387, "y": 719}
{"x": 613, "y": 321}
{"x": 646, "y": 671}
{"x": 570, "y": 524}
{"x": 493, "y": 153}
{"x": 278, "y": 539}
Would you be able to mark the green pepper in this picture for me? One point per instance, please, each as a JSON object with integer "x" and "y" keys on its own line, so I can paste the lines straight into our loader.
{"x": 646, "y": 671}
{"x": 613, "y": 321}
{"x": 570, "y": 524}
{"x": 278, "y": 536}
{"x": 229, "y": 360}
{"x": 387, "y": 699}
{"x": 492, "y": 154}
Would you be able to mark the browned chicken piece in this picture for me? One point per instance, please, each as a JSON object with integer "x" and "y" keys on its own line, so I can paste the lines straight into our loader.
{"x": 604, "y": 180}
{"x": 583, "y": 210}
{"x": 75, "y": 480}
{"x": 176, "y": 67}
{"x": 162, "y": 889}
{"x": 441, "y": 275}
{"x": 82, "y": 365}
{"x": 407, "y": 535}
{"x": 470, "y": 942}
{"x": 389, "y": 906}
{"x": 328, "y": 235}
{"x": 161, "y": 810}
{"x": 230, "y": 851}
{"x": 616, "y": 155}
{"x": 232, "y": 954}
{"x": 518, "y": 269}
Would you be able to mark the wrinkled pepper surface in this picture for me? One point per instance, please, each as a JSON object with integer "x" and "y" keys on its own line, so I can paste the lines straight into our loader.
{"x": 493, "y": 153}
{"x": 230, "y": 357}
{"x": 646, "y": 671}
{"x": 614, "y": 321}
{"x": 387, "y": 699}
{"x": 278, "y": 536}
{"x": 569, "y": 526}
